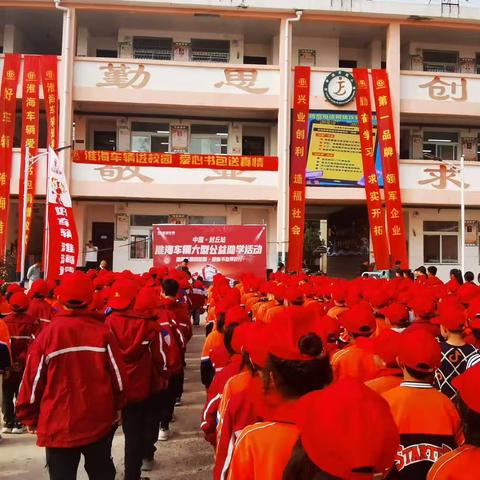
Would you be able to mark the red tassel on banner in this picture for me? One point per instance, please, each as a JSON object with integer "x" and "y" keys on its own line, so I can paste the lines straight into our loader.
{"x": 30, "y": 114}
{"x": 388, "y": 149}
{"x": 376, "y": 214}
{"x": 8, "y": 103}
{"x": 298, "y": 165}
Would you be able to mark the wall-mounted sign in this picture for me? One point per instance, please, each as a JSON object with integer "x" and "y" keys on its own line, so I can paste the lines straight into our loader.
{"x": 179, "y": 138}
{"x": 471, "y": 232}
{"x": 307, "y": 57}
{"x": 122, "y": 224}
{"x": 339, "y": 88}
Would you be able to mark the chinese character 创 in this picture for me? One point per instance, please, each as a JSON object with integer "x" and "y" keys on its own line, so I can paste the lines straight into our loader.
{"x": 438, "y": 89}
{"x": 123, "y": 76}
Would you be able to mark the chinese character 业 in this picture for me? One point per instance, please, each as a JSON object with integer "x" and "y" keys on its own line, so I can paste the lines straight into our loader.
{"x": 123, "y": 76}
{"x": 242, "y": 78}
{"x": 441, "y": 90}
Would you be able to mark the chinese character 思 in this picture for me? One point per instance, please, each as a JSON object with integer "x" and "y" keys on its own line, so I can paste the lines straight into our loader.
{"x": 242, "y": 78}
{"x": 123, "y": 76}
{"x": 441, "y": 90}
{"x": 117, "y": 173}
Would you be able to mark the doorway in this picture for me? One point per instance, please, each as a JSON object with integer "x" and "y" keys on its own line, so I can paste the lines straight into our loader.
{"x": 102, "y": 237}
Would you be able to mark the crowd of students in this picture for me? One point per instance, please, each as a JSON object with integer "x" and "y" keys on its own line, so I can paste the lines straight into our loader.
{"x": 313, "y": 378}
{"x": 307, "y": 378}
{"x": 83, "y": 354}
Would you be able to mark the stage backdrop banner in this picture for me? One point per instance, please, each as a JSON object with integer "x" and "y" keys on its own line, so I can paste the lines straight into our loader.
{"x": 8, "y": 103}
{"x": 61, "y": 236}
{"x": 388, "y": 149}
{"x": 30, "y": 113}
{"x": 227, "y": 249}
{"x": 298, "y": 165}
{"x": 176, "y": 160}
{"x": 376, "y": 213}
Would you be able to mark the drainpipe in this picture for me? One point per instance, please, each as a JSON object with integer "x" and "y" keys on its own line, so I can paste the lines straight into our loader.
{"x": 284, "y": 137}
{"x": 65, "y": 120}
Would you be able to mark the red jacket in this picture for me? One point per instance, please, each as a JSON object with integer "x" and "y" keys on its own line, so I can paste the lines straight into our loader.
{"x": 73, "y": 383}
{"x": 173, "y": 342}
{"x": 214, "y": 396}
{"x": 22, "y": 329}
{"x": 142, "y": 347}
{"x": 181, "y": 317}
{"x": 40, "y": 309}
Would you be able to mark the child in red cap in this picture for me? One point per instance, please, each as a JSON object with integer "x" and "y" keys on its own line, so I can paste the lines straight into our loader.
{"x": 346, "y": 432}
{"x": 297, "y": 364}
{"x": 456, "y": 353}
{"x": 22, "y": 329}
{"x": 354, "y": 361}
{"x": 427, "y": 420}
{"x": 39, "y": 307}
{"x": 73, "y": 386}
{"x": 464, "y": 462}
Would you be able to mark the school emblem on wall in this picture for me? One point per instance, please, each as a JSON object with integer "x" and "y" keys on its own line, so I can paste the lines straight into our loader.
{"x": 339, "y": 88}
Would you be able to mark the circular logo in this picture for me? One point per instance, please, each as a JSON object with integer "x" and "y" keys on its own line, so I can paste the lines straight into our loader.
{"x": 339, "y": 88}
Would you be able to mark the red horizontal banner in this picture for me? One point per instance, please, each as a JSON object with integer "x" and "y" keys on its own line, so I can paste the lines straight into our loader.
{"x": 176, "y": 160}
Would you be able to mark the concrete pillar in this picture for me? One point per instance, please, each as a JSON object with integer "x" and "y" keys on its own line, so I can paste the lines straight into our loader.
{"x": 235, "y": 139}
{"x": 283, "y": 139}
{"x": 376, "y": 53}
{"x": 82, "y": 42}
{"x": 393, "y": 69}
{"x": 65, "y": 134}
{"x": 9, "y": 39}
{"x": 80, "y": 132}
{"x": 123, "y": 135}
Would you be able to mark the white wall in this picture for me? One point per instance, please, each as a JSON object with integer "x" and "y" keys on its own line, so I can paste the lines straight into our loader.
{"x": 361, "y": 55}
{"x": 327, "y": 50}
{"x": 415, "y": 238}
{"x": 258, "y": 50}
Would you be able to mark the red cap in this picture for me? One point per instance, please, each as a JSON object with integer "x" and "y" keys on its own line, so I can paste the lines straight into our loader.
{"x": 294, "y": 294}
{"x": 146, "y": 299}
{"x": 240, "y": 336}
{"x": 419, "y": 350}
{"x": 286, "y": 333}
{"x": 39, "y": 287}
{"x": 91, "y": 273}
{"x": 236, "y": 314}
{"x": 19, "y": 302}
{"x": 451, "y": 316}
{"x": 14, "y": 287}
{"x": 359, "y": 319}
{"x": 122, "y": 294}
{"x": 474, "y": 308}
{"x": 423, "y": 306}
{"x": 347, "y": 426}
{"x": 467, "y": 292}
{"x": 339, "y": 293}
{"x": 387, "y": 346}
{"x": 75, "y": 290}
{"x": 256, "y": 343}
{"x": 378, "y": 297}
{"x": 198, "y": 284}
{"x": 396, "y": 313}
{"x": 467, "y": 387}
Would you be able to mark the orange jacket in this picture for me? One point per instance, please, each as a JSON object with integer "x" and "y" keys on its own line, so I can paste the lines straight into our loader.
{"x": 384, "y": 383}
{"x": 354, "y": 361}
{"x": 263, "y": 309}
{"x": 274, "y": 313}
{"x": 460, "y": 464}
{"x": 263, "y": 451}
{"x": 429, "y": 427}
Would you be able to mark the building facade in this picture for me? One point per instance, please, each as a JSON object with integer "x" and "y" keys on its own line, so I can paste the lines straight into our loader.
{"x": 215, "y": 78}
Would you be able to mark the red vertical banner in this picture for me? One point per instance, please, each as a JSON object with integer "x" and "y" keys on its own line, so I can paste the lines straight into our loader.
{"x": 30, "y": 113}
{"x": 48, "y": 67}
{"x": 298, "y": 165}
{"x": 388, "y": 150}
{"x": 376, "y": 214}
{"x": 8, "y": 103}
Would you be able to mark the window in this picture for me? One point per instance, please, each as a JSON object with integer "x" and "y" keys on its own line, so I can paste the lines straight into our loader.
{"x": 209, "y": 139}
{"x": 477, "y": 63}
{"x": 253, "y": 145}
{"x": 436, "y": 61}
{"x": 440, "y": 146}
{"x": 440, "y": 242}
{"x": 152, "y": 48}
{"x": 347, "y": 64}
{"x": 150, "y": 137}
{"x": 253, "y": 60}
{"x": 106, "y": 53}
{"x": 105, "y": 141}
{"x": 147, "y": 220}
{"x": 210, "y": 50}
{"x": 208, "y": 220}
{"x": 141, "y": 246}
